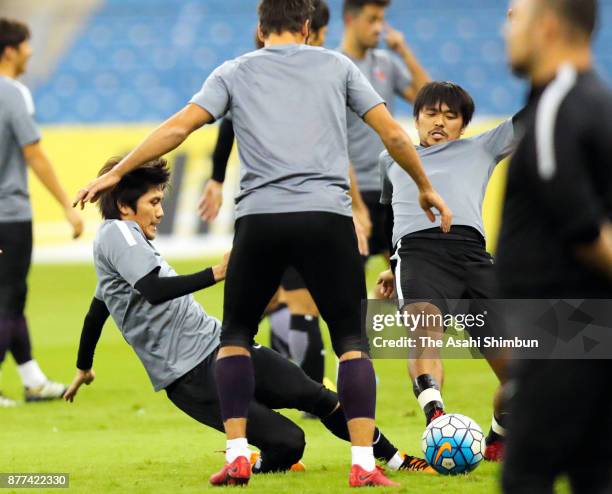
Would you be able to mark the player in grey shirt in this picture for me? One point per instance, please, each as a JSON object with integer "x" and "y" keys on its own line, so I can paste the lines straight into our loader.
{"x": 288, "y": 103}
{"x": 20, "y": 147}
{"x": 393, "y": 73}
{"x": 177, "y": 341}
{"x": 457, "y": 265}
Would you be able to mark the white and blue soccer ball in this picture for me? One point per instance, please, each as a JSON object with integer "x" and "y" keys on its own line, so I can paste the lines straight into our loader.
{"x": 453, "y": 444}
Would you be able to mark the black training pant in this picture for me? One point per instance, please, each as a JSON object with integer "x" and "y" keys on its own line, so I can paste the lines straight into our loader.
{"x": 322, "y": 247}
{"x": 279, "y": 383}
{"x": 559, "y": 423}
{"x": 16, "y": 246}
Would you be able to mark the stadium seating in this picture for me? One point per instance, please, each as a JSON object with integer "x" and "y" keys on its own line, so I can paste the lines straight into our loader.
{"x": 139, "y": 68}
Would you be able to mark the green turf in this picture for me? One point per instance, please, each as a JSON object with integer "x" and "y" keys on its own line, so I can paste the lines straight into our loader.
{"x": 119, "y": 436}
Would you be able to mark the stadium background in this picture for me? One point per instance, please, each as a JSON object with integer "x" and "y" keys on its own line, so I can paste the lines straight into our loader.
{"x": 103, "y": 74}
{"x": 105, "y": 71}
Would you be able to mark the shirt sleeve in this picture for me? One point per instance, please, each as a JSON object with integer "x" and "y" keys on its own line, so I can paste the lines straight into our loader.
{"x": 22, "y": 121}
{"x": 386, "y": 194}
{"x": 361, "y": 96}
{"x": 562, "y": 183}
{"x": 128, "y": 252}
{"x": 499, "y": 142}
{"x": 401, "y": 77}
{"x": 215, "y": 94}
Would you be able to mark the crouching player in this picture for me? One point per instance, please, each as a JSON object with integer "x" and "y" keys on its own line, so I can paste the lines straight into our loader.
{"x": 436, "y": 266}
{"x": 177, "y": 341}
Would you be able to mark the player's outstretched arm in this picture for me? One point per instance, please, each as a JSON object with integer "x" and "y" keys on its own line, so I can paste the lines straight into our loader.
{"x": 41, "y": 166}
{"x": 397, "y": 42}
{"x": 159, "y": 289}
{"x": 401, "y": 149}
{"x": 165, "y": 138}
{"x": 212, "y": 197}
{"x": 361, "y": 214}
{"x": 90, "y": 335}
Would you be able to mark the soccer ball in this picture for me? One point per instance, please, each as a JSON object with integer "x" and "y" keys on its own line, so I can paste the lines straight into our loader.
{"x": 453, "y": 444}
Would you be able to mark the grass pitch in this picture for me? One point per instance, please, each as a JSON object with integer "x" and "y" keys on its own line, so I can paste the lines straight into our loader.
{"x": 119, "y": 436}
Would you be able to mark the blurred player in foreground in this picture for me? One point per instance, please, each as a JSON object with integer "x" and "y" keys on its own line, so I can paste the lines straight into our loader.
{"x": 288, "y": 103}
{"x": 177, "y": 341}
{"x": 20, "y": 147}
{"x": 435, "y": 266}
{"x": 556, "y": 242}
{"x": 294, "y": 318}
{"x": 392, "y": 73}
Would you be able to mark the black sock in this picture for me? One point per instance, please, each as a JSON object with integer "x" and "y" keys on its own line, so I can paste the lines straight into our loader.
{"x": 427, "y": 391}
{"x": 21, "y": 348}
{"x": 357, "y": 388}
{"x": 496, "y": 432}
{"x": 336, "y": 424}
{"x": 235, "y": 385}
{"x": 306, "y": 346}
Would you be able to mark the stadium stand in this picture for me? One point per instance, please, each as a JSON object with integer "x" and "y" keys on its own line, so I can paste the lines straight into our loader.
{"x": 128, "y": 68}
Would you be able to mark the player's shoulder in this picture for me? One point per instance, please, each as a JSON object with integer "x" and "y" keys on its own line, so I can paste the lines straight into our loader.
{"x": 116, "y": 233}
{"x": 591, "y": 92}
{"x": 13, "y": 91}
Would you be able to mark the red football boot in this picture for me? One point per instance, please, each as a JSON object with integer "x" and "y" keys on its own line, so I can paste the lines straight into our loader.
{"x": 494, "y": 451}
{"x": 238, "y": 472}
{"x": 362, "y": 478}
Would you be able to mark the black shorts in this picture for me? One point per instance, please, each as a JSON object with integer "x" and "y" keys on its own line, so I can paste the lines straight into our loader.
{"x": 381, "y": 216}
{"x": 435, "y": 266}
{"x": 559, "y": 423}
{"x": 292, "y": 280}
{"x": 323, "y": 249}
{"x": 279, "y": 383}
{"x": 16, "y": 246}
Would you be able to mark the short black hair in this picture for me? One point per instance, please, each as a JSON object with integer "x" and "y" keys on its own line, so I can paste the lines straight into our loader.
{"x": 580, "y": 15}
{"x": 132, "y": 186}
{"x": 320, "y": 16}
{"x": 12, "y": 33}
{"x": 357, "y": 5}
{"x": 277, "y": 16}
{"x": 434, "y": 94}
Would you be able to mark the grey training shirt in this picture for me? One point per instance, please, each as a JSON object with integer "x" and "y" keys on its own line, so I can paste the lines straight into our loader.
{"x": 17, "y": 129}
{"x": 458, "y": 170}
{"x": 288, "y": 107}
{"x": 389, "y": 77}
{"x": 170, "y": 338}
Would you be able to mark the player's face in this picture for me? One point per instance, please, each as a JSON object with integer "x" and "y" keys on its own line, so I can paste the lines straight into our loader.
{"x": 521, "y": 36}
{"x": 438, "y": 124}
{"x": 149, "y": 211}
{"x": 368, "y": 25}
{"x": 317, "y": 38}
{"x": 20, "y": 56}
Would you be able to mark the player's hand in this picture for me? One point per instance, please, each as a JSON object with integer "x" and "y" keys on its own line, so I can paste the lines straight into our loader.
{"x": 81, "y": 377}
{"x": 220, "y": 269}
{"x": 75, "y": 220}
{"x": 362, "y": 216}
{"x": 362, "y": 239}
{"x": 431, "y": 199}
{"x": 94, "y": 188}
{"x": 211, "y": 201}
{"x": 395, "y": 39}
{"x": 386, "y": 284}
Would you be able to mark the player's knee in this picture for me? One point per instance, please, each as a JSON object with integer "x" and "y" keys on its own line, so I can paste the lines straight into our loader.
{"x": 288, "y": 448}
